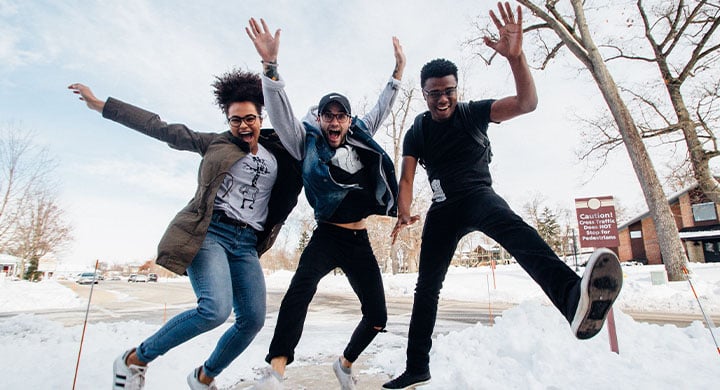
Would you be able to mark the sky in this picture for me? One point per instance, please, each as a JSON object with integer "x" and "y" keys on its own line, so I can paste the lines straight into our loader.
{"x": 120, "y": 189}
{"x": 530, "y": 346}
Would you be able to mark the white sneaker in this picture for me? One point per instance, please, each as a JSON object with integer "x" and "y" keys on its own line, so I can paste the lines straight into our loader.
{"x": 347, "y": 381}
{"x": 600, "y": 285}
{"x": 193, "y": 380}
{"x": 127, "y": 377}
{"x": 270, "y": 380}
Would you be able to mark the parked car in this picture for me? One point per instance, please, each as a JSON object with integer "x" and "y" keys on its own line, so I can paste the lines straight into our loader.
{"x": 630, "y": 263}
{"x": 87, "y": 278}
{"x": 138, "y": 278}
{"x": 152, "y": 277}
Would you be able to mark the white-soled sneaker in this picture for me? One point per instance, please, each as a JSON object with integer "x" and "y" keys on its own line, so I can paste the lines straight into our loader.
{"x": 408, "y": 381}
{"x": 270, "y": 380}
{"x": 193, "y": 380}
{"x": 346, "y": 379}
{"x": 599, "y": 287}
{"x": 126, "y": 377}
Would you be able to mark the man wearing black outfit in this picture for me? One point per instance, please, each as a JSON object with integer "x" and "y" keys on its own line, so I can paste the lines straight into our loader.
{"x": 450, "y": 140}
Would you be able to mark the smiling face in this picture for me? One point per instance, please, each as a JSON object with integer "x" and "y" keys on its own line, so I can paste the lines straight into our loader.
{"x": 440, "y": 94}
{"x": 334, "y": 123}
{"x": 245, "y": 122}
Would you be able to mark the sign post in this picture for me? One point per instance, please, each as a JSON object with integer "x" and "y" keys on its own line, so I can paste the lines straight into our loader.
{"x": 597, "y": 227}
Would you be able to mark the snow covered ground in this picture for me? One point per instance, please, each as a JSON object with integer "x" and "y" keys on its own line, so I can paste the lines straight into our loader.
{"x": 529, "y": 347}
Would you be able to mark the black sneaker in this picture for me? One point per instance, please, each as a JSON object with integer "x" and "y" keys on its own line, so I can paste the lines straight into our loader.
{"x": 599, "y": 287}
{"x": 408, "y": 381}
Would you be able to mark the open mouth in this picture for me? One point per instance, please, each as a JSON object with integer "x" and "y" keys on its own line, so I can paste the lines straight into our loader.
{"x": 334, "y": 136}
{"x": 246, "y": 136}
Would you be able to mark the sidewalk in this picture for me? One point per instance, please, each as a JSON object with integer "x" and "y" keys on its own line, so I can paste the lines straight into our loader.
{"x": 320, "y": 376}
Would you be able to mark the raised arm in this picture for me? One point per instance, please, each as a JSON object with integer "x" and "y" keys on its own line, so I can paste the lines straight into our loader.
{"x": 379, "y": 113}
{"x": 509, "y": 45}
{"x": 288, "y": 127}
{"x": 177, "y": 136}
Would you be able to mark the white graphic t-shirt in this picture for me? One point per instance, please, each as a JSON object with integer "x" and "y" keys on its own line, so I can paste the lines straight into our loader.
{"x": 245, "y": 193}
{"x": 347, "y": 159}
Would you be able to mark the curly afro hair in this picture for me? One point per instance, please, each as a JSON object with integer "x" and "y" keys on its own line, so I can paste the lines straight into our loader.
{"x": 439, "y": 67}
{"x": 238, "y": 86}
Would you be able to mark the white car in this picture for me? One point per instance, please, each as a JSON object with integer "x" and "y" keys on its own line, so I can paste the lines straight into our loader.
{"x": 139, "y": 278}
{"x": 87, "y": 278}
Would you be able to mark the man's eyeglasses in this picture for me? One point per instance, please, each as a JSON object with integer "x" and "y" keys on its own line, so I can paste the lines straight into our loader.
{"x": 236, "y": 121}
{"x": 329, "y": 116}
{"x": 435, "y": 94}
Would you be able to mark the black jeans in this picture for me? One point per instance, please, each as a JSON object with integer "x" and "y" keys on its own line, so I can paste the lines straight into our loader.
{"x": 330, "y": 247}
{"x": 482, "y": 210}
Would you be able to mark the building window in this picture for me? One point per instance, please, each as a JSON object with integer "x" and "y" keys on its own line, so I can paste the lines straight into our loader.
{"x": 710, "y": 247}
{"x": 636, "y": 234}
{"x": 704, "y": 212}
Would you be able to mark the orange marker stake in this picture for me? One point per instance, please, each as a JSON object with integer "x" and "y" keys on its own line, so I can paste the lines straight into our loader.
{"x": 708, "y": 320}
{"x": 82, "y": 338}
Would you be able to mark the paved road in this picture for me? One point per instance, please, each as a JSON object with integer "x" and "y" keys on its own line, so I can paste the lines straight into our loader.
{"x": 155, "y": 302}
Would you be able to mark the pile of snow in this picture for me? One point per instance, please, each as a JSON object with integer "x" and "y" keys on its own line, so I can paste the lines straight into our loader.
{"x": 529, "y": 347}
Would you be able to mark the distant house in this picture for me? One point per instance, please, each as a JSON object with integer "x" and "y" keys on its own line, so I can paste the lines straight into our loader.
{"x": 9, "y": 265}
{"x": 697, "y": 220}
{"x": 482, "y": 255}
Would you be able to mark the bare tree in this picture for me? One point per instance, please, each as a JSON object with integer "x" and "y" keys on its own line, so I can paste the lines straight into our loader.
{"x": 678, "y": 102}
{"x": 32, "y": 224}
{"x": 680, "y": 176}
{"x": 397, "y": 124}
{"x": 21, "y": 170}
{"x": 400, "y": 120}
{"x": 40, "y": 230}
{"x": 572, "y": 29}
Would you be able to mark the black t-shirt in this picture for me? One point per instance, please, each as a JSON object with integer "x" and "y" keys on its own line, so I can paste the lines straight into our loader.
{"x": 454, "y": 160}
{"x": 358, "y": 203}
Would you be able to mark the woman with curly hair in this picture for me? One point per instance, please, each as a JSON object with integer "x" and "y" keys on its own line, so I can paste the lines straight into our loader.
{"x": 247, "y": 186}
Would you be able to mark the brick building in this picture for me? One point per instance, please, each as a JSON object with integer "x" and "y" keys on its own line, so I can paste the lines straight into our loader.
{"x": 698, "y": 225}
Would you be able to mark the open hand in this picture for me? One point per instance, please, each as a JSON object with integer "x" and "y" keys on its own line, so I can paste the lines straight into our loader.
{"x": 509, "y": 43}
{"x": 266, "y": 44}
{"x": 87, "y": 96}
{"x": 403, "y": 220}
{"x": 399, "y": 59}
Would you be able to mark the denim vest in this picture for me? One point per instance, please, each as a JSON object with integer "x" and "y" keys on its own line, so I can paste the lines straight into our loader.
{"x": 324, "y": 194}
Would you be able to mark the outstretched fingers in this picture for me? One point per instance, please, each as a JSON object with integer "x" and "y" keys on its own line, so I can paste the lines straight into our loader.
{"x": 79, "y": 89}
{"x": 506, "y": 13}
{"x": 399, "y": 58}
{"x": 253, "y": 29}
{"x": 396, "y": 230}
{"x": 266, "y": 44}
{"x": 400, "y": 225}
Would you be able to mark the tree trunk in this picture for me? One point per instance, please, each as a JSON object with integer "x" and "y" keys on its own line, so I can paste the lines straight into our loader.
{"x": 671, "y": 247}
{"x": 578, "y": 40}
{"x": 699, "y": 159}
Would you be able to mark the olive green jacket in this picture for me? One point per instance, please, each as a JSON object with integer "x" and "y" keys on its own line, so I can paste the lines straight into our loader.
{"x": 219, "y": 152}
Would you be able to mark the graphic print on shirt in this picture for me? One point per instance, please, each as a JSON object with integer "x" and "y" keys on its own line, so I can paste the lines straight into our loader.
{"x": 347, "y": 159}
{"x": 438, "y": 193}
{"x": 257, "y": 167}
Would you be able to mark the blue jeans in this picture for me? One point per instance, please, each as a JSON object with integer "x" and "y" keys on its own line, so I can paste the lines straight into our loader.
{"x": 225, "y": 274}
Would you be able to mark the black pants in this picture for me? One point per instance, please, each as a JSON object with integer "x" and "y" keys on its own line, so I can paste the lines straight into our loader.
{"x": 482, "y": 210}
{"x": 330, "y": 247}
